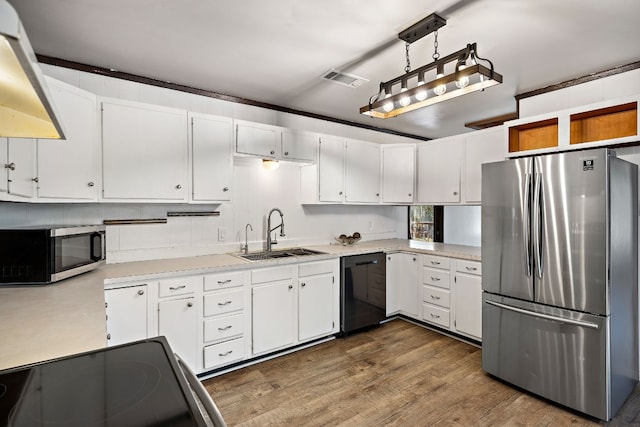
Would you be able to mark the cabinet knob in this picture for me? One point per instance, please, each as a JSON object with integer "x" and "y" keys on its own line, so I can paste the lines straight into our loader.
{"x": 189, "y": 304}
{"x": 377, "y": 194}
{"x": 286, "y": 153}
{"x": 108, "y": 336}
{"x": 455, "y": 193}
{"x": 91, "y": 184}
{"x": 10, "y": 166}
{"x": 35, "y": 179}
{"x": 389, "y": 258}
{"x": 140, "y": 292}
{"x": 106, "y": 304}
{"x": 290, "y": 286}
{"x": 272, "y": 152}
{"x": 409, "y": 194}
{"x": 415, "y": 259}
{"x": 303, "y": 285}
{"x": 225, "y": 189}
{"x": 340, "y": 193}
{"x": 178, "y": 186}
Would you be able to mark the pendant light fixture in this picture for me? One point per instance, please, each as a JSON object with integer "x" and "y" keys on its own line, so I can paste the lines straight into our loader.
{"x": 412, "y": 90}
{"x": 26, "y": 109}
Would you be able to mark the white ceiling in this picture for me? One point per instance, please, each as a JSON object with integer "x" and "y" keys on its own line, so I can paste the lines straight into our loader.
{"x": 275, "y": 51}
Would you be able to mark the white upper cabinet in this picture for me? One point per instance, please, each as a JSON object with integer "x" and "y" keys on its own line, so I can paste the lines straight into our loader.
{"x": 299, "y": 145}
{"x": 18, "y": 166}
{"x": 439, "y": 166}
{"x": 70, "y": 169}
{"x": 257, "y": 139}
{"x": 398, "y": 173}
{"x": 481, "y": 147}
{"x": 362, "y": 172}
{"x": 211, "y": 158}
{"x": 331, "y": 169}
{"x": 144, "y": 149}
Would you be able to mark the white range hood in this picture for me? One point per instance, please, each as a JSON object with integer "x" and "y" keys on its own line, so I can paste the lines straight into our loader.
{"x": 26, "y": 108}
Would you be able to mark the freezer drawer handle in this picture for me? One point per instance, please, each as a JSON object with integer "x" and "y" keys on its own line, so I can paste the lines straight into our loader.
{"x": 545, "y": 316}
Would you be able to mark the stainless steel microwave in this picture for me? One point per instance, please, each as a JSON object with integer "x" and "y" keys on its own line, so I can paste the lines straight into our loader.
{"x": 46, "y": 254}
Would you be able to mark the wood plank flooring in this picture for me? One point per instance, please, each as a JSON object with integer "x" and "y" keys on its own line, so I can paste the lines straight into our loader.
{"x": 398, "y": 374}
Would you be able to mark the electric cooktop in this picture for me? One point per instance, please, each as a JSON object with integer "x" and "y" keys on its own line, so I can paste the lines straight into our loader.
{"x": 135, "y": 384}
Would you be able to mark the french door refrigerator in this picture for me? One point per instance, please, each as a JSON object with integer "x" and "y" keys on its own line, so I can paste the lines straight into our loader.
{"x": 560, "y": 277}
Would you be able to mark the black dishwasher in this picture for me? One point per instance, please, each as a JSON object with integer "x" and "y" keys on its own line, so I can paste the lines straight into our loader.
{"x": 363, "y": 294}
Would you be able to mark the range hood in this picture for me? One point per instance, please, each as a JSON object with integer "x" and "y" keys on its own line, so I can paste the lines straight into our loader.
{"x": 26, "y": 108}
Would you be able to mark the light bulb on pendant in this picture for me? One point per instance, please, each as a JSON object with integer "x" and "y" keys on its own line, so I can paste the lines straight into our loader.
{"x": 462, "y": 82}
{"x": 387, "y": 106}
{"x": 440, "y": 89}
{"x": 404, "y": 100}
{"x": 421, "y": 95}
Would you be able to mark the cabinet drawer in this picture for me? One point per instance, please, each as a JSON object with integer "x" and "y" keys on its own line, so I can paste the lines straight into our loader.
{"x": 221, "y": 328}
{"x": 187, "y": 285}
{"x": 223, "y": 280}
{"x": 436, "y": 296}
{"x": 436, "y": 261}
{"x": 223, "y": 353}
{"x": 273, "y": 274}
{"x": 315, "y": 268}
{"x": 435, "y": 277}
{"x": 470, "y": 267}
{"x": 223, "y": 302}
{"x": 437, "y": 315}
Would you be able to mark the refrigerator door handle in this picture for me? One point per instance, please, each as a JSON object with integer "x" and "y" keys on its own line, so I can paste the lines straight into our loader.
{"x": 526, "y": 224}
{"x": 544, "y": 316}
{"x": 537, "y": 224}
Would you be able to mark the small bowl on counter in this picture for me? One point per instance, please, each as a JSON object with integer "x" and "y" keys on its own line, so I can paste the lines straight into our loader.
{"x": 348, "y": 240}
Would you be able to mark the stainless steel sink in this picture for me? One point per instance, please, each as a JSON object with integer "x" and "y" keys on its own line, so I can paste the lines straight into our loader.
{"x": 284, "y": 253}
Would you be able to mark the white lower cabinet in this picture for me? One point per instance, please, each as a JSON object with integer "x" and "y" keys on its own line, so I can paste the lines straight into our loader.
{"x": 273, "y": 315}
{"x": 316, "y": 308}
{"x": 177, "y": 320}
{"x": 126, "y": 309}
{"x": 402, "y": 284}
{"x": 224, "y": 353}
{"x": 468, "y": 299}
{"x": 436, "y": 284}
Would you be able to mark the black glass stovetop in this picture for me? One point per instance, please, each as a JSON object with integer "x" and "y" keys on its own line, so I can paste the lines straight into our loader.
{"x": 136, "y": 384}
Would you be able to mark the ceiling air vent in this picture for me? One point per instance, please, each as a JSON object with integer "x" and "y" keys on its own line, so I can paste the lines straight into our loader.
{"x": 344, "y": 79}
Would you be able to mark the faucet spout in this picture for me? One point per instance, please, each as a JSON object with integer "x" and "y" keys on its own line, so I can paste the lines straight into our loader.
{"x": 274, "y": 241}
{"x": 246, "y": 238}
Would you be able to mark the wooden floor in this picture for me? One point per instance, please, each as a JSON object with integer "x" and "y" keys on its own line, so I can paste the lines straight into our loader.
{"x": 398, "y": 374}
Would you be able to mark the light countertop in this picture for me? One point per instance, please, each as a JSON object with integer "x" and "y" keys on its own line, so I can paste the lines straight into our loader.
{"x": 45, "y": 322}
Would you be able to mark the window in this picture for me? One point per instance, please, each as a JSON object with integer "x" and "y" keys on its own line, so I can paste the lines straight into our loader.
{"x": 425, "y": 223}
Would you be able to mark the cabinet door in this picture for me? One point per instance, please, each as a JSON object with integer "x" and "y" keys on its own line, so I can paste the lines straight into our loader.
{"x": 69, "y": 169}
{"x": 257, "y": 139}
{"x": 273, "y": 320}
{"x": 211, "y": 158}
{"x": 126, "y": 314}
{"x": 21, "y": 166}
{"x": 315, "y": 306}
{"x": 177, "y": 321}
{"x": 402, "y": 284}
{"x": 297, "y": 145}
{"x": 4, "y": 161}
{"x": 439, "y": 164}
{"x": 468, "y": 305}
{"x": 481, "y": 147}
{"x": 331, "y": 170}
{"x": 398, "y": 173}
{"x": 362, "y": 172}
{"x": 144, "y": 150}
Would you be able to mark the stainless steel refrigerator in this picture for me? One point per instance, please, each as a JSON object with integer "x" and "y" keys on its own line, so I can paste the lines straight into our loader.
{"x": 560, "y": 277}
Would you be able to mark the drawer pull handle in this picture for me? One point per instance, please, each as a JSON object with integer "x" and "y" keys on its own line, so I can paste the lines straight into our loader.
{"x": 471, "y": 268}
{"x": 175, "y": 288}
{"x": 225, "y": 354}
{"x": 224, "y": 303}
{"x": 435, "y": 297}
{"x": 435, "y": 279}
{"x": 224, "y": 282}
{"x": 435, "y": 262}
{"x": 435, "y": 316}
{"x": 225, "y": 328}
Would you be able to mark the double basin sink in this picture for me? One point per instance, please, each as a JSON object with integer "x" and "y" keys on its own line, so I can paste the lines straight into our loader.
{"x": 284, "y": 253}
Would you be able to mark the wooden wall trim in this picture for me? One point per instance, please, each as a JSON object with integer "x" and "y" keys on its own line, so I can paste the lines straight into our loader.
{"x": 211, "y": 94}
{"x": 579, "y": 80}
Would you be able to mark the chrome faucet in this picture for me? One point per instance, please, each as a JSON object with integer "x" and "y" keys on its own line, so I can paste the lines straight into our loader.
{"x": 269, "y": 229}
{"x": 245, "y": 248}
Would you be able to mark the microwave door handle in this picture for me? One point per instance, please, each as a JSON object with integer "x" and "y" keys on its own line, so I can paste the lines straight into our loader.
{"x": 537, "y": 225}
{"x": 92, "y": 245}
{"x": 526, "y": 224}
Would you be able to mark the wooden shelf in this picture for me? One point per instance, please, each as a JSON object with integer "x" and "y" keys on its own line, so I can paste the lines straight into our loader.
{"x": 533, "y": 136}
{"x": 617, "y": 121}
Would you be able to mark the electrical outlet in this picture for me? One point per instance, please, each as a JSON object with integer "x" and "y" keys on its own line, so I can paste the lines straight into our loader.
{"x": 222, "y": 234}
